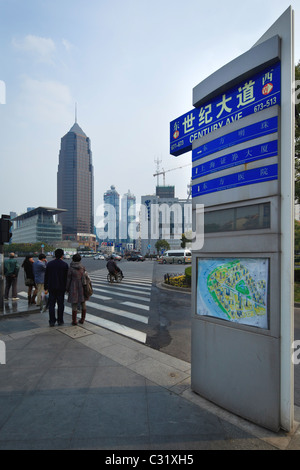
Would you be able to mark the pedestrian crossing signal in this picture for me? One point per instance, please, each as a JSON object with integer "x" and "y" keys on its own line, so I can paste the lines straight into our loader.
{"x": 5, "y": 229}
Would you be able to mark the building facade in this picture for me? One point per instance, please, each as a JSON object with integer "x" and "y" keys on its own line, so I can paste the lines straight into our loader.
{"x": 111, "y": 200}
{"x": 128, "y": 218}
{"x": 37, "y": 225}
{"x": 75, "y": 184}
{"x": 163, "y": 218}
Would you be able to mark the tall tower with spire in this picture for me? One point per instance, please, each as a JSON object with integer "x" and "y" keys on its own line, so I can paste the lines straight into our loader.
{"x": 75, "y": 183}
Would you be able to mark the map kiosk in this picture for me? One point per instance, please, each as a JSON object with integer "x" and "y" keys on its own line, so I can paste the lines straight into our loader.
{"x": 241, "y": 135}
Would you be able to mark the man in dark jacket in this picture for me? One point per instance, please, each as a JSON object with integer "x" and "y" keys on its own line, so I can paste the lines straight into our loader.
{"x": 11, "y": 270}
{"x": 55, "y": 282}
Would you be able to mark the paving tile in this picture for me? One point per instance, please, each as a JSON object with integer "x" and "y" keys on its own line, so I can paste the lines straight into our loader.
{"x": 74, "y": 331}
{"x": 119, "y": 378}
{"x": 113, "y": 415}
{"x": 43, "y": 415}
{"x": 70, "y": 380}
{"x": 122, "y": 354}
{"x": 158, "y": 372}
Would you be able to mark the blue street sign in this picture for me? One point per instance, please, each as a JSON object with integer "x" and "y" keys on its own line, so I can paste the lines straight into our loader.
{"x": 259, "y": 92}
{"x": 242, "y": 178}
{"x": 257, "y": 152}
{"x": 259, "y": 129}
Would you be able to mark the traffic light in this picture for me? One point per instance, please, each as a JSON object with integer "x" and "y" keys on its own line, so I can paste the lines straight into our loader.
{"x": 5, "y": 226}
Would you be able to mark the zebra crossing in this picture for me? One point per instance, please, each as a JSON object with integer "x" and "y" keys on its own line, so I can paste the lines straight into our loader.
{"x": 120, "y": 307}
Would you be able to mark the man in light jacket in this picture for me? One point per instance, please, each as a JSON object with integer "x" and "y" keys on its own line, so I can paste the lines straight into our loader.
{"x": 39, "y": 269}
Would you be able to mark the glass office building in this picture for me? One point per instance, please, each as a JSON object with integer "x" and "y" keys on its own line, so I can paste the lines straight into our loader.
{"x": 128, "y": 218}
{"x": 111, "y": 200}
{"x": 37, "y": 225}
{"x": 75, "y": 184}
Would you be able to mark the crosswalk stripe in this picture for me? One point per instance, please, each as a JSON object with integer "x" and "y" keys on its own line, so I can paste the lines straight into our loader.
{"x": 136, "y": 294}
{"x": 116, "y": 311}
{"x": 125, "y": 279}
{"x": 22, "y": 294}
{"x": 112, "y": 326}
{"x": 118, "y": 286}
{"x": 121, "y": 294}
{"x": 132, "y": 304}
{"x": 137, "y": 285}
{"x": 143, "y": 284}
{"x": 101, "y": 297}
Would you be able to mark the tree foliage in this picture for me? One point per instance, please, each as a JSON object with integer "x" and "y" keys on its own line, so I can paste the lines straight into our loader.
{"x": 184, "y": 241}
{"x": 26, "y": 248}
{"x": 162, "y": 245}
{"x": 297, "y": 236}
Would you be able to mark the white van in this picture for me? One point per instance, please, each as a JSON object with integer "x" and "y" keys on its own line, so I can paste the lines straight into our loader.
{"x": 177, "y": 256}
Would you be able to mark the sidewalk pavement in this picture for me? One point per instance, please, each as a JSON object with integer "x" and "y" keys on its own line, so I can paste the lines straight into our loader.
{"x": 84, "y": 387}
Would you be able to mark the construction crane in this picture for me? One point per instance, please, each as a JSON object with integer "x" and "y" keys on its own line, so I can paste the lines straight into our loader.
{"x": 163, "y": 172}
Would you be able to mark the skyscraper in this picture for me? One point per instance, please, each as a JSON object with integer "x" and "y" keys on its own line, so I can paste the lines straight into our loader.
{"x": 112, "y": 214}
{"x": 75, "y": 184}
{"x": 128, "y": 217}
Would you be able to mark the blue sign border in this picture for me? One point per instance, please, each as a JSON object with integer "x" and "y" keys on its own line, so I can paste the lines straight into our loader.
{"x": 242, "y": 178}
{"x": 258, "y": 92}
{"x": 258, "y": 129}
{"x": 250, "y": 154}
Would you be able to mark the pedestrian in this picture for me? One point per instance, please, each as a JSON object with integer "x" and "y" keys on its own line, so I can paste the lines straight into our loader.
{"x": 11, "y": 271}
{"x": 29, "y": 278}
{"x": 39, "y": 268}
{"x": 55, "y": 282}
{"x": 113, "y": 268}
{"x": 75, "y": 288}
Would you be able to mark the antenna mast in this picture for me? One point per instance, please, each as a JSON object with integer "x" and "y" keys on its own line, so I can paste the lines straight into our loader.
{"x": 157, "y": 169}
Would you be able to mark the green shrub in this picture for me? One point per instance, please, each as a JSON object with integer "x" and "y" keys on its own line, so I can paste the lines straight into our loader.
{"x": 180, "y": 280}
{"x": 188, "y": 275}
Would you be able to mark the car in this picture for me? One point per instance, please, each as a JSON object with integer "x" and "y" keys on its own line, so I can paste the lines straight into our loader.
{"x": 99, "y": 257}
{"x": 136, "y": 258}
{"x": 116, "y": 257}
{"x": 177, "y": 256}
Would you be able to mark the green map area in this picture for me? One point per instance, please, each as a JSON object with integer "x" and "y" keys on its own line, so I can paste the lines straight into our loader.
{"x": 236, "y": 292}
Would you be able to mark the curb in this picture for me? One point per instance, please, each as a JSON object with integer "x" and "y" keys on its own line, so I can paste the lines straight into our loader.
{"x": 185, "y": 290}
{"x": 18, "y": 308}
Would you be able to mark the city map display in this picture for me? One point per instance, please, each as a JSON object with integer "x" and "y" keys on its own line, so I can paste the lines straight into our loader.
{"x": 234, "y": 289}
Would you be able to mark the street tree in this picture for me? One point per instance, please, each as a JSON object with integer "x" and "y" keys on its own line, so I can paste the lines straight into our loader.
{"x": 162, "y": 245}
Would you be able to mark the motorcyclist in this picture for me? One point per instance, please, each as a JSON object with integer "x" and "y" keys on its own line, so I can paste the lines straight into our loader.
{"x": 113, "y": 268}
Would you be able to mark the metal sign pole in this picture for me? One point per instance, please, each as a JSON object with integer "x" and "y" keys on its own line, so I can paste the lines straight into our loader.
{"x": 1, "y": 279}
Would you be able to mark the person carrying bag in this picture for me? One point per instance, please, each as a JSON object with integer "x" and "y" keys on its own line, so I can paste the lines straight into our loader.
{"x": 78, "y": 287}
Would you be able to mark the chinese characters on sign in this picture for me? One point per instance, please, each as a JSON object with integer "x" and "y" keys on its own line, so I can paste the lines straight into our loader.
{"x": 259, "y": 129}
{"x": 255, "y": 94}
{"x": 234, "y": 180}
{"x": 237, "y": 157}
{"x": 240, "y": 157}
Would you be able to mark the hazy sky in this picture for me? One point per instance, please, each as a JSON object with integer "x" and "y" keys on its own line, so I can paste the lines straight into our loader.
{"x": 130, "y": 65}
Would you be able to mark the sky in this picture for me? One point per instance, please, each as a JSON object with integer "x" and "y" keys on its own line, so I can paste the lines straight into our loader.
{"x": 130, "y": 65}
